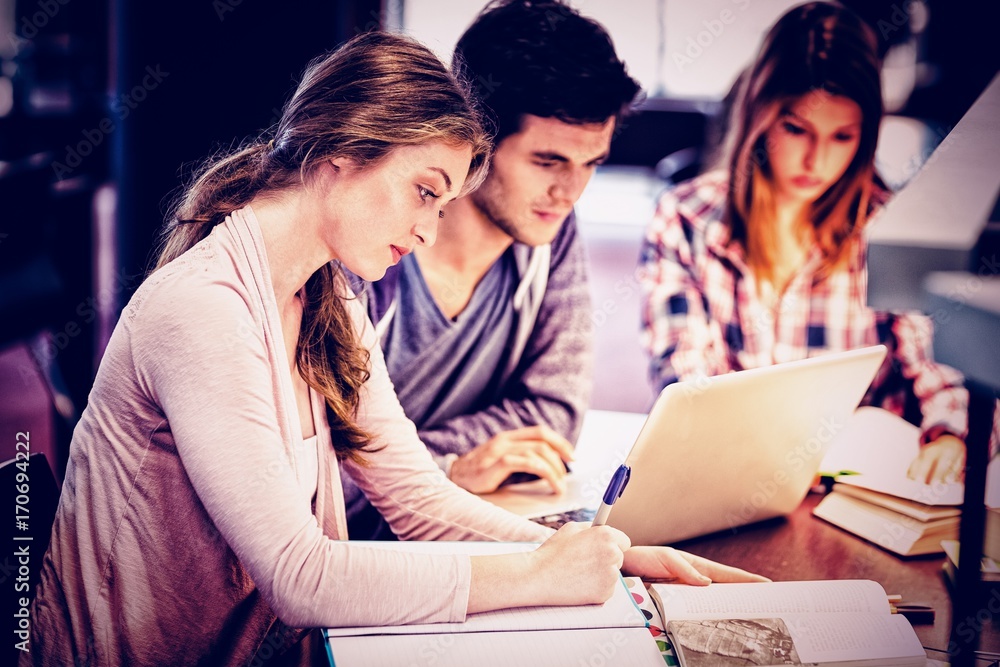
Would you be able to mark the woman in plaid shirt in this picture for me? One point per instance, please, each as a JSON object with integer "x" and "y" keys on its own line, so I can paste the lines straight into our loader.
{"x": 765, "y": 262}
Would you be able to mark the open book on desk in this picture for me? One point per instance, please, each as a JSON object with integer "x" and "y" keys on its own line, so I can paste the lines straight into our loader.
{"x": 881, "y": 504}
{"x": 846, "y": 623}
{"x": 615, "y": 633}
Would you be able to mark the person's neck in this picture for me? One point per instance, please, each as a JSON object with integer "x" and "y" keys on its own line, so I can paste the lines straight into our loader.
{"x": 789, "y": 216}
{"x": 792, "y": 243}
{"x": 794, "y": 232}
{"x": 468, "y": 243}
{"x": 294, "y": 251}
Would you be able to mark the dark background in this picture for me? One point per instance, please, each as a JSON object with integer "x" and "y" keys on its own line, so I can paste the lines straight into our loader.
{"x": 113, "y": 102}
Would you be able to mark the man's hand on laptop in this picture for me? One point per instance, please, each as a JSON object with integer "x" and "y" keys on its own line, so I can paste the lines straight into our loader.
{"x": 657, "y": 564}
{"x": 537, "y": 450}
{"x": 940, "y": 460}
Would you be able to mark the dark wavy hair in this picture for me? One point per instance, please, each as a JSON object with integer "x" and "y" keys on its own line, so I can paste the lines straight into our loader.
{"x": 377, "y": 92}
{"x": 542, "y": 58}
{"x": 818, "y": 46}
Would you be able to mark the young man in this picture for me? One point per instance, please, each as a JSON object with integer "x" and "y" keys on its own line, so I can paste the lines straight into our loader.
{"x": 487, "y": 333}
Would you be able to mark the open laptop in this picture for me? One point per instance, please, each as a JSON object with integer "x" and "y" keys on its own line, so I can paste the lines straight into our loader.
{"x": 721, "y": 452}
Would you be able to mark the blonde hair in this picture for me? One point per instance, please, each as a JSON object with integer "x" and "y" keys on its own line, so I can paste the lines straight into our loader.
{"x": 816, "y": 47}
{"x": 377, "y": 92}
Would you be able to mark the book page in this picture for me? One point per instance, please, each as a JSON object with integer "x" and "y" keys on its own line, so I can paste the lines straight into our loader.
{"x": 936, "y": 494}
{"x": 844, "y": 639}
{"x": 556, "y": 648}
{"x": 620, "y": 611}
{"x": 848, "y": 637}
{"x": 750, "y": 600}
{"x": 881, "y": 446}
{"x": 874, "y": 441}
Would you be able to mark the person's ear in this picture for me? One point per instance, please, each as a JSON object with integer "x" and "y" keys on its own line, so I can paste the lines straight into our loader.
{"x": 342, "y": 165}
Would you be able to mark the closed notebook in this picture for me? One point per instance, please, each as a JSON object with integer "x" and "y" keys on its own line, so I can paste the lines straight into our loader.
{"x": 831, "y": 623}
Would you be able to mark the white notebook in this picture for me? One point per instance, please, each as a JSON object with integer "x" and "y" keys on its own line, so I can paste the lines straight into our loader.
{"x": 615, "y": 632}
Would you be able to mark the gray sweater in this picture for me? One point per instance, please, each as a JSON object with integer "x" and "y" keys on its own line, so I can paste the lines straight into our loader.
{"x": 544, "y": 374}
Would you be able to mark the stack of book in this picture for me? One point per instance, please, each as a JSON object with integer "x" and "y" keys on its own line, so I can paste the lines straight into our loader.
{"x": 900, "y": 515}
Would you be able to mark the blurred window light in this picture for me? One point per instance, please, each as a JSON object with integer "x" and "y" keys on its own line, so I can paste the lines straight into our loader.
{"x": 904, "y": 144}
{"x": 6, "y": 96}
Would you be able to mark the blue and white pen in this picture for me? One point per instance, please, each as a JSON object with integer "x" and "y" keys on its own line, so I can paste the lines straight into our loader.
{"x": 615, "y": 488}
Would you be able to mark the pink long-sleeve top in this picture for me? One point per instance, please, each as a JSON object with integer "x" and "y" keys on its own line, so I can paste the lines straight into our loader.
{"x": 185, "y": 532}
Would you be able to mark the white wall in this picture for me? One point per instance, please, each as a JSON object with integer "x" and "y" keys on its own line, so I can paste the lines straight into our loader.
{"x": 679, "y": 47}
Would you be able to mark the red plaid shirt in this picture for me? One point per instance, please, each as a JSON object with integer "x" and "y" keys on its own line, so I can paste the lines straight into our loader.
{"x": 701, "y": 315}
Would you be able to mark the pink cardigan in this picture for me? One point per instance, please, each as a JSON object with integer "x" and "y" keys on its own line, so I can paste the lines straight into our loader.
{"x": 183, "y": 534}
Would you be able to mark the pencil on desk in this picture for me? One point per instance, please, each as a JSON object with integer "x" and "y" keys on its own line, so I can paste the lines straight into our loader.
{"x": 914, "y": 613}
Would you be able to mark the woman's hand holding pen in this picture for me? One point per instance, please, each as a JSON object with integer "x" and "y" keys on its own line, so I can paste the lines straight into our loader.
{"x": 581, "y": 564}
{"x": 577, "y": 565}
{"x": 665, "y": 563}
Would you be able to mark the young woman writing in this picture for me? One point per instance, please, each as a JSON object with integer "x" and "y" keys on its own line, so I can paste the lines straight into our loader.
{"x": 202, "y": 520}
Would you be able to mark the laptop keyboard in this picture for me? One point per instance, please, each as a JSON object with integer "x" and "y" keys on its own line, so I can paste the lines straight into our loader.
{"x": 557, "y": 520}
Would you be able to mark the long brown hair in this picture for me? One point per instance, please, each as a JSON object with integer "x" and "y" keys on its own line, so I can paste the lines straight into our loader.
{"x": 376, "y": 92}
{"x": 822, "y": 47}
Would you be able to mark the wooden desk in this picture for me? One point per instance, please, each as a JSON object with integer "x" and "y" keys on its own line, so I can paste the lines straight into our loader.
{"x": 805, "y": 547}
{"x": 798, "y": 547}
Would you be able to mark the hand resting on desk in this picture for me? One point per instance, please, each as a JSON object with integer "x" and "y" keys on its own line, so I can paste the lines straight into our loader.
{"x": 663, "y": 564}
{"x": 537, "y": 450}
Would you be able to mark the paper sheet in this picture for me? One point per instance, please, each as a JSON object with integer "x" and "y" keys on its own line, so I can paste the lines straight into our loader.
{"x": 634, "y": 647}
{"x": 620, "y": 611}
